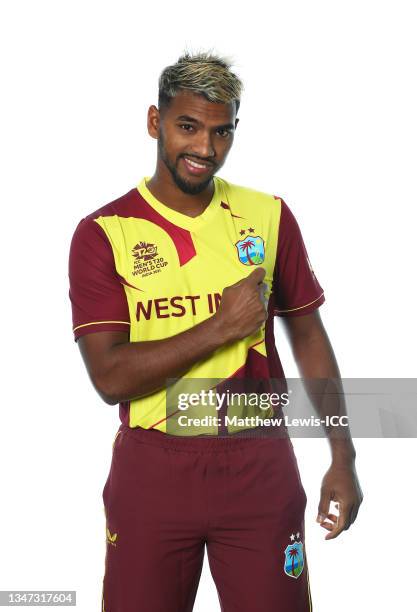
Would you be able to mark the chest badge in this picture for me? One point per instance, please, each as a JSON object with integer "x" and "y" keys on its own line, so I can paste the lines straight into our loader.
{"x": 146, "y": 260}
{"x": 251, "y": 250}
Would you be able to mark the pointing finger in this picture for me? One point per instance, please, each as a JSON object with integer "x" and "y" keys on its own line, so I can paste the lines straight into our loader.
{"x": 257, "y": 275}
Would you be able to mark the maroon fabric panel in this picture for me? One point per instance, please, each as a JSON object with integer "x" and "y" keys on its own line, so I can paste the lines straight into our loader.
{"x": 274, "y": 363}
{"x": 100, "y": 327}
{"x": 95, "y": 292}
{"x": 124, "y": 412}
{"x": 295, "y": 286}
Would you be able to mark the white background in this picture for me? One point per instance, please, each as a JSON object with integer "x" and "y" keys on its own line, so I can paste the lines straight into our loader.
{"x": 328, "y": 122}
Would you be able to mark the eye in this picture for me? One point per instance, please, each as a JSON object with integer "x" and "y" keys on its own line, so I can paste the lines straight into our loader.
{"x": 186, "y": 127}
{"x": 224, "y": 132}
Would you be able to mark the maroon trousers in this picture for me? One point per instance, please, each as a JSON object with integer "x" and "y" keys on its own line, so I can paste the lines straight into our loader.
{"x": 166, "y": 498}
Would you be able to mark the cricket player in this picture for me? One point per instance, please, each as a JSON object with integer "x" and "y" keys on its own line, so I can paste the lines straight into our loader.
{"x": 174, "y": 284}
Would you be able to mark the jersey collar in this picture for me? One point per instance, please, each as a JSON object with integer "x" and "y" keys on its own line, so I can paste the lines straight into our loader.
{"x": 180, "y": 219}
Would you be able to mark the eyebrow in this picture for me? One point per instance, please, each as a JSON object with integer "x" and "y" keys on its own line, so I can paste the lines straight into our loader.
{"x": 189, "y": 119}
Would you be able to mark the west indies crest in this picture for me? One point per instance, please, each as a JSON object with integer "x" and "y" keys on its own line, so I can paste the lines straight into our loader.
{"x": 251, "y": 250}
{"x": 294, "y": 557}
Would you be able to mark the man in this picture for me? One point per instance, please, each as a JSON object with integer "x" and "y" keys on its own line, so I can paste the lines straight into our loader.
{"x": 177, "y": 281}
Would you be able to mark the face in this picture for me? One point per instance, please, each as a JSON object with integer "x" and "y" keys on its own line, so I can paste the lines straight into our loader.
{"x": 194, "y": 137}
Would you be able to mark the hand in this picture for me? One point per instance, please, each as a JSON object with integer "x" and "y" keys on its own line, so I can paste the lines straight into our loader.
{"x": 340, "y": 484}
{"x": 242, "y": 309}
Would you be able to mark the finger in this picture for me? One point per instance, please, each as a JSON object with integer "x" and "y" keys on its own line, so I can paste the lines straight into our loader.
{"x": 352, "y": 515}
{"x": 324, "y": 505}
{"x": 350, "y": 518}
{"x": 256, "y": 276}
{"x": 327, "y": 526}
{"x": 341, "y": 524}
{"x": 330, "y": 522}
{"x": 263, "y": 289}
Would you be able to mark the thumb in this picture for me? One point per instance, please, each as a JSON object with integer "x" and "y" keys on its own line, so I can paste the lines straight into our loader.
{"x": 256, "y": 276}
{"x": 324, "y": 506}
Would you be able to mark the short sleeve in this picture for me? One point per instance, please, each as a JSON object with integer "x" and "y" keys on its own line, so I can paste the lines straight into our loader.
{"x": 295, "y": 286}
{"x": 97, "y": 296}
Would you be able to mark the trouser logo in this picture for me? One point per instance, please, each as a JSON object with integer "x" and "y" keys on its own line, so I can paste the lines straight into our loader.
{"x": 294, "y": 558}
{"x": 111, "y": 538}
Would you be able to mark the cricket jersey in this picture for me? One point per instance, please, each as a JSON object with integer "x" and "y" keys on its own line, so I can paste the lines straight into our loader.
{"x": 138, "y": 266}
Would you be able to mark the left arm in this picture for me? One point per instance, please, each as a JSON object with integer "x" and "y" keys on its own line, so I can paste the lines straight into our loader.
{"x": 317, "y": 365}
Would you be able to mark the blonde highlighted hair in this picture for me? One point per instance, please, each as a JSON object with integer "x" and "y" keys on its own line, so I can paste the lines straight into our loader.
{"x": 202, "y": 73}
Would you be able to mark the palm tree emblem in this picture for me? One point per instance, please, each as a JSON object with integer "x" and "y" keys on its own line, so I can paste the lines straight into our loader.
{"x": 251, "y": 250}
{"x": 293, "y": 553}
{"x": 248, "y": 244}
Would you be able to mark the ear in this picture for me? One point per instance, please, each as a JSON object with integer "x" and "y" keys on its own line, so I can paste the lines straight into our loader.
{"x": 154, "y": 120}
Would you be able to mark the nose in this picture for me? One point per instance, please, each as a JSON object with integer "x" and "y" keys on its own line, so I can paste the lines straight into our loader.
{"x": 203, "y": 146}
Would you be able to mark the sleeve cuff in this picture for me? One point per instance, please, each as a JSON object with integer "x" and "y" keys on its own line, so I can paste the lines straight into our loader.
{"x": 98, "y": 326}
{"x": 301, "y": 310}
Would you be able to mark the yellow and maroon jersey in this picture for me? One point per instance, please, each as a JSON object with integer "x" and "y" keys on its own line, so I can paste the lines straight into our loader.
{"x": 138, "y": 266}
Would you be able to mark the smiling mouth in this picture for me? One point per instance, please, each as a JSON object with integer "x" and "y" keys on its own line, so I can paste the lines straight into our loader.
{"x": 196, "y": 167}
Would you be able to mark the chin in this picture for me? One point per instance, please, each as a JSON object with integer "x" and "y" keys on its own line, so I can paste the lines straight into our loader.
{"x": 191, "y": 188}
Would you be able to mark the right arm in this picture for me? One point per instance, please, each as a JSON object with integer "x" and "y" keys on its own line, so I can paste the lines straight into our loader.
{"x": 121, "y": 370}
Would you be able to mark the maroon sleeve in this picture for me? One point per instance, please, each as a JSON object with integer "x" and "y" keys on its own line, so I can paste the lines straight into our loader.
{"x": 97, "y": 296}
{"x": 295, "y": 286}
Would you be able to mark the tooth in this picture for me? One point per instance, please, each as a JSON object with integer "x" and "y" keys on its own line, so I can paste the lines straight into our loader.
{"x": 195, "y": 164}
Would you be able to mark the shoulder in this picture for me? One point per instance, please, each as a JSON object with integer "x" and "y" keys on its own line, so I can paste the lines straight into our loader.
{"x": 122, "y": 206}
{"x": 89, "y": 226}
{"x": 249, "y": 197}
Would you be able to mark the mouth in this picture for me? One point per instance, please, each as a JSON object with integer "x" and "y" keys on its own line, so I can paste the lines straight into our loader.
{"x": 196, "y": 168}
